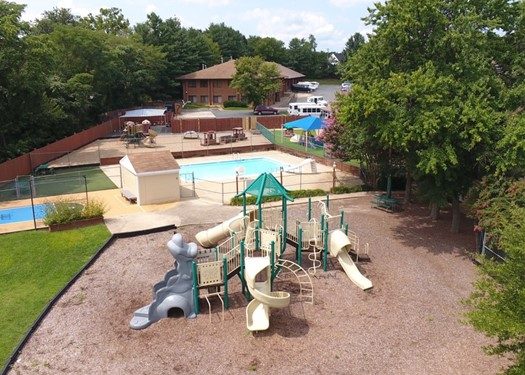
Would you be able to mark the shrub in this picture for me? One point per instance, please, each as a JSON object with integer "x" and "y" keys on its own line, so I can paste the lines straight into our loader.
{"x": 94, "y": 208}
{"x": 347, "y": 189}
{"x": 234, "y": 103}
{"x": 237, "y": 201}
{"x": 63, "y": 211}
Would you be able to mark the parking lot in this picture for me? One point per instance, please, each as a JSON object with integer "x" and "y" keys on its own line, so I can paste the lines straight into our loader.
{"x": 328, "y": 91}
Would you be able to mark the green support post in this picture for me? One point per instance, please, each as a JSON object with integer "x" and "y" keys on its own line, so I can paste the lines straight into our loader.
{"x": 325, "y": 247}
{"x": 322, "y": 221}
{"x": 195, "y": 288}
{"x": 244, "y": 205}
{"x": 285, "y": 223}
{"x": 257, "y": 236}
{"x": 282, "y": 241}
{"x": 346, "y": 229}
{"x": 241, "y": 272}
{"x": 225, "y": 280}
{"x": 309, "y": 208}
{"x": 216, "y": 253}
{"x": 272, "y": 262}
{"x": 327, "y": 202}
{"x": 342, "y": 221}
{"x": 298, "y": 253}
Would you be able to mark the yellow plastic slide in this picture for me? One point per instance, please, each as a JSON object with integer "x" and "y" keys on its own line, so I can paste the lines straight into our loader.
{"x": 339, "y": 245}
{"x": 211, "y": 237}
{"x": 258, "y": 310}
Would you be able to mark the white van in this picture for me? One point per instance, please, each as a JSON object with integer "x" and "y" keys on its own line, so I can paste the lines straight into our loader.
{"x": 317, "y": 100}
{"x": 307, "y": 109}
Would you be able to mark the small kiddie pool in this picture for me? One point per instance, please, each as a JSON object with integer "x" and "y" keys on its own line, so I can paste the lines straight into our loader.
{"x": 225, "y": 170}
{"x": 19, "y": 214}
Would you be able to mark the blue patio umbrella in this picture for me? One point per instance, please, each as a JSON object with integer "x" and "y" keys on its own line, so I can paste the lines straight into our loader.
{"x": 306, "y": 124}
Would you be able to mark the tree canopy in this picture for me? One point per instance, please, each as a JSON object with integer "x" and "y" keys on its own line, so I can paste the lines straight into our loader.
{"x": 61, "y": 72}
{"x": 255, "y": 79}
{"x": 425, "y": 90}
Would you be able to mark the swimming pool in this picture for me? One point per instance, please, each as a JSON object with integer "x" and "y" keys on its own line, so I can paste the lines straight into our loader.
{"x": 225, "y": 170}
{"x": 18, "y": 214}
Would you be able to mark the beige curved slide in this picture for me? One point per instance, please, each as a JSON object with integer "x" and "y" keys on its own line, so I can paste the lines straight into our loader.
{"x": 339, "y": 245}
{"x": 211, "y": 237}
{"x": 258, "y": 310}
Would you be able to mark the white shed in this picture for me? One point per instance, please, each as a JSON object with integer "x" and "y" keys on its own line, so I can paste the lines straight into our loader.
{"x": 153, "y": 177}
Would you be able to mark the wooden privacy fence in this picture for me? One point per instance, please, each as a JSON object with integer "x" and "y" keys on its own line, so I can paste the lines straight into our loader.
{"x": 24, "y": 165}
{"x": 180, "y": 125}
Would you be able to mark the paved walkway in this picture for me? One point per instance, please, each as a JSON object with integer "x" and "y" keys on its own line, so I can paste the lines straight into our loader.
{"x": 196, "y": 211}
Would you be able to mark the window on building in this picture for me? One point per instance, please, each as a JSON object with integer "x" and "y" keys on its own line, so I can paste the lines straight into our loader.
{"x": 204, "y": 83}
{"x": 232, "y": 97}
{"x": 192, "y": 83}
{"x": 217, "y": 99}
{"x": 204, "y": 99}
{"x": 192, "y": 98}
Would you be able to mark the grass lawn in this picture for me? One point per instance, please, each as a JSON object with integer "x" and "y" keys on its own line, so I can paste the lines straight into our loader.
{"x": 285, "y": 142}
{"x": 63, "y": 181}
{"x": 34, "y": 266}
{"x": 326, "y": 81}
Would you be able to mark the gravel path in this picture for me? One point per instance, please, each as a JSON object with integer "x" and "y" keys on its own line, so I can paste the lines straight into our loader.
{"x": 408, "y": 324}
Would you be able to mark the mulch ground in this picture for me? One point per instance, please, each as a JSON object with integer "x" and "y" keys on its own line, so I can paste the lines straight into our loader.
{"x": 409, "y": 323}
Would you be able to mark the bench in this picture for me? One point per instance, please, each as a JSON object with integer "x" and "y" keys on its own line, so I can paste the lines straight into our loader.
{"x": 132, "y": 198}
{"x": 385, "y": 202}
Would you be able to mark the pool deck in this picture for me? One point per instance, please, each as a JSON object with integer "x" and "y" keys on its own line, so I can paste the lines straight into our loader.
{"x": 123, "y": 217}
{"x": 210, "y": 197}
{"x": 111, "y": 148}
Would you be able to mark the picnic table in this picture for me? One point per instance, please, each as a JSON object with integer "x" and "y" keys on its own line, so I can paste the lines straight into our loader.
{"x": 383, "y": 201}
{"x": 227, "y": 139}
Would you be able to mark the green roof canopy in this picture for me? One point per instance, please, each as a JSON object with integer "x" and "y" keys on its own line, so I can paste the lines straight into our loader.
{"x": 266, "y": 185}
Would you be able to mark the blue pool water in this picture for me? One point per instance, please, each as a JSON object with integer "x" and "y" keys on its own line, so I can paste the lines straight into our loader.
{"x": 225, "y": 170}
{"x": 17, "y": 214}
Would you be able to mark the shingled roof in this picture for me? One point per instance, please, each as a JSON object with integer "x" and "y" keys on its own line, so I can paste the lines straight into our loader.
{"x": 150, "y": 162}
{"x": 227, "y": 70}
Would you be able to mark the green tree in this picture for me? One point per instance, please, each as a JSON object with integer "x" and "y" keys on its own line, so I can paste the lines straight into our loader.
{"x": 109, "y": 20}
{"x": 52, "y": 18}
{"x": 255, "y": 79}
{"x": 173, "y": 40}
{"x": 232, "y": 43}
{"x": 270, "y": 49}
{"x": 432, "y": 95}
{"x": 498, "y": 301}
{"x": 353, "y": 44}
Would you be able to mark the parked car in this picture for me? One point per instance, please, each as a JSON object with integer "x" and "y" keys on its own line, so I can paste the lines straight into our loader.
{"x": 345, "y": 86}
{"x": 312, "y": 85}
{"x": 317, "y": 100}
{"x": 296, "y": 87}
{"x": 261, "y": 109}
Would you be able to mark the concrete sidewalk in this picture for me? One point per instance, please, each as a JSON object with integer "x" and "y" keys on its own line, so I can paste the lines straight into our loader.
{"x": 198, "y": 212}
{"x": 184, "y": 213}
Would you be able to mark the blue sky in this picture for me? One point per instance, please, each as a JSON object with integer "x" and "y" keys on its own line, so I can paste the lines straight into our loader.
{"x": 332, "y": 22}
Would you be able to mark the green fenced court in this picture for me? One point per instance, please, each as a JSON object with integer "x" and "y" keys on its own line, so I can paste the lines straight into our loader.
{"x": 61, "y": 182}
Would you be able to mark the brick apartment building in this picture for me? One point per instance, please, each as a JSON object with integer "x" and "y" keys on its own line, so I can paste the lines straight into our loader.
{"x": 212, "y": 85}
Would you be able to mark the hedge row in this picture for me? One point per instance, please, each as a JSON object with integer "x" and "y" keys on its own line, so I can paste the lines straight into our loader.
{"x": 305, "y": 193}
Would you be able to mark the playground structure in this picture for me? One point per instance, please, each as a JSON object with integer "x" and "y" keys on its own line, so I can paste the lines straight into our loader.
{"x": 209, "y": 138}
{"x": 175, "y": 291}
{"x": 134, "y": 134}
{"x": 251, "y": 245}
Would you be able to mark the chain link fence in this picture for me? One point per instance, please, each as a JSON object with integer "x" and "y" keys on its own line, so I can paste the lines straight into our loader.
{"x": 223, "y": 191}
